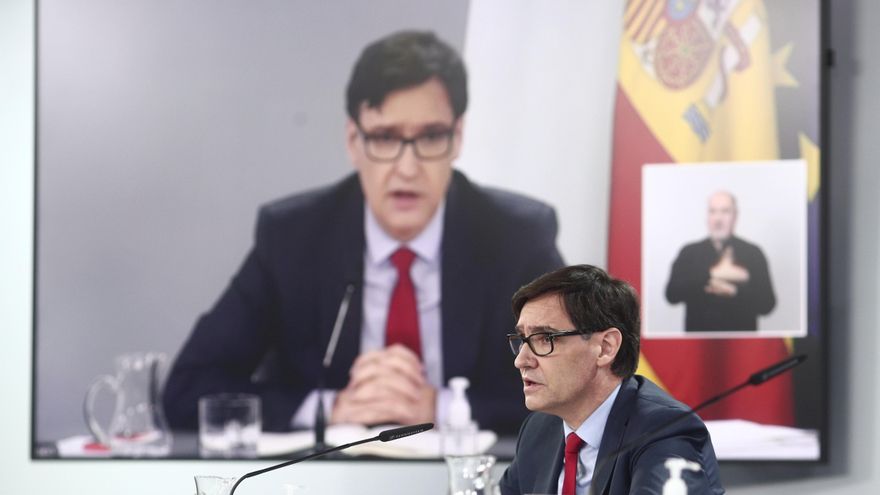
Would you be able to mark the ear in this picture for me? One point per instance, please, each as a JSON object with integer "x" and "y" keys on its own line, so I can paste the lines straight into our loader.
{"x": 609, "y": 343}
{"x": 351, "y": 141}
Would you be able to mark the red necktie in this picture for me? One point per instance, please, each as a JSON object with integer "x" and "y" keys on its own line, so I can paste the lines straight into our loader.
{"x": 573, "y": 444}
{"x": 403, "y": 314}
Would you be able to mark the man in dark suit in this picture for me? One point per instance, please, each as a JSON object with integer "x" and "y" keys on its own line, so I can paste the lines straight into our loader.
{"x": 431, "y": 257}
{"x": 596, "y": 426}
{"x": 723, "y": 280}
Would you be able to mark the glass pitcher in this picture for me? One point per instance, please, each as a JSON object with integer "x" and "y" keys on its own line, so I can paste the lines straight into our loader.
{"x": 470, "y": 474}
{"x": 137, "y": 427}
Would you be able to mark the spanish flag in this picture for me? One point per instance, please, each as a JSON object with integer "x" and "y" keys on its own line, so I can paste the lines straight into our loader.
{"x": 696, "y": 83}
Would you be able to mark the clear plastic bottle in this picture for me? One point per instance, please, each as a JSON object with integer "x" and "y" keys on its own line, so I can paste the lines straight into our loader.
{"x": 459, "y": 432}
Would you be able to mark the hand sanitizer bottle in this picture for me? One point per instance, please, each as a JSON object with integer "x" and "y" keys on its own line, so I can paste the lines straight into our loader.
{"x": 675, "y": 485}
{"x": 459, "y": 432}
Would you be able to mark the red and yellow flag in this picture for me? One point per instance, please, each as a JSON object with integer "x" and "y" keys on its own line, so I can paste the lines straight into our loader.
{"x": 696, "y": 84}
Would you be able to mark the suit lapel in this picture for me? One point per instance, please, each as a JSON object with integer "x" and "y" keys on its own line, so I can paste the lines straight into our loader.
{"x": 461, "y": 308}
{"x": 612, "y": 437}
{"x": 548, "y": 480}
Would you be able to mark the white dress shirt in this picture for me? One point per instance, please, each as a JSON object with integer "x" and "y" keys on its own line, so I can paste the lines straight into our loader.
{"x": 380, "y": 277}
{"x": 590, "y": 432}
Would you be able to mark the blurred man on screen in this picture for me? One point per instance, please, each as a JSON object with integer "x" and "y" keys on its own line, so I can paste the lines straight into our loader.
{"x": 577, "y": 349}
{"x": 723, "y": 280}
{"x": 430, "y": 255}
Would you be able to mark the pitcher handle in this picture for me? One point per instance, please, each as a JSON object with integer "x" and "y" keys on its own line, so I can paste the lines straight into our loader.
{"x": 100, "y": 434}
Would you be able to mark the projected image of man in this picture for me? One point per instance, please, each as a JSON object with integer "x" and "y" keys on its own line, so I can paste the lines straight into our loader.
{"x": 432, "y": 258}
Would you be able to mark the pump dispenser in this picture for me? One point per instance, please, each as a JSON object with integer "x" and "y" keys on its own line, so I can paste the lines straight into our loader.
{"x": 675, "y": 485}
{"x": 459, "y": 408}
{"x": 459, "y": 432}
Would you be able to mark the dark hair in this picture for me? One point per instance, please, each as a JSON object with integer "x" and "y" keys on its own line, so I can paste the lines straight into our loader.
{"x": 403, "y": 60}
{"x": 593, "y": 301}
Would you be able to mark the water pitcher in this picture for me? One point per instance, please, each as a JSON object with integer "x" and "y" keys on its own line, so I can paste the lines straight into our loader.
{"x": 137, "y": 427}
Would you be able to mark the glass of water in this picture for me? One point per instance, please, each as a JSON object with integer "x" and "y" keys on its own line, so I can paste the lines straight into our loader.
{"x": 213, "y": 485}
{"x": 229, "y": 426}
{"x": 471, "y": 474}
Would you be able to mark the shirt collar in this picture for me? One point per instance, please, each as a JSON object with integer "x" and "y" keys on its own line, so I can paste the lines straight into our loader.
{"x": 380, "y": 245}
{"x": 592, "y": 429}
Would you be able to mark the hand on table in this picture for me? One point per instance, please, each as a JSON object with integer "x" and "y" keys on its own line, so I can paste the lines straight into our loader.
{"x": 386, "y": 386}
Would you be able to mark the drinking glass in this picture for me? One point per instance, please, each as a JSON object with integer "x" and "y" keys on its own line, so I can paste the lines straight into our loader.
{"x": 470, "y": 474}
{"x": 229, "y": 425}
{"x": 213, "y": 485}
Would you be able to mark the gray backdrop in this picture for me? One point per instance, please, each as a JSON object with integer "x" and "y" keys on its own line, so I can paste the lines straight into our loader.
{"x": 162, "y": 126}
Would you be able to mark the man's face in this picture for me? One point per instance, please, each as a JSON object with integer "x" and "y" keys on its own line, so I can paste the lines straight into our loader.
{"x": 560, "y": 383}
{"x": 404, "y": 193}
{"x": 722, "y": 216}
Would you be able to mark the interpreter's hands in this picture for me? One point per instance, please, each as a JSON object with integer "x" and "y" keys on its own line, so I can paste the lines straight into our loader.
{"x": 386, "y": 386}
{"x": 725, "y": 274}
{"x": 720, "y": 288}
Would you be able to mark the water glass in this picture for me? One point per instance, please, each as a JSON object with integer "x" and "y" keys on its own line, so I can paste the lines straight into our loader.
{"x": 470, "y": 474}
{"x": 213, "y": 485}
{"x": 229, "y": 426}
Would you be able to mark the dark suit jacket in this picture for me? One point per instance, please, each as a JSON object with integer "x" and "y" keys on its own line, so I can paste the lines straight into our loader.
{"x": 308, "y": 248}
{"x": 708, "y": 312}
{"x": 640, "y": 407}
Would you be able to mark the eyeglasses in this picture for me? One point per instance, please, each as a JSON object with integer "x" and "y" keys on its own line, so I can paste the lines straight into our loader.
{"x": 431, "y": 145}
{"x": 541, "y": 343}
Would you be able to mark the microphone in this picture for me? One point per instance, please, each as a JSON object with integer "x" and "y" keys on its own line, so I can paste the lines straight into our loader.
{"x": 320, "y": 415}
{"x": 779, "y": 368}
{"x": 756, "y": 379}
{"x": 385, "y": 436}
{"x": 403, "y": 431}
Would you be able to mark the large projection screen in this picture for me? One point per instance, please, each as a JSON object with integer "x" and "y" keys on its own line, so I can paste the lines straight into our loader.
{"x": 163, "y": 126}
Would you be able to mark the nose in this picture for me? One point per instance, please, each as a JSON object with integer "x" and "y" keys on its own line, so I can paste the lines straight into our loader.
{"x": 525, "y": 358}
{"x": 407, "y": 164}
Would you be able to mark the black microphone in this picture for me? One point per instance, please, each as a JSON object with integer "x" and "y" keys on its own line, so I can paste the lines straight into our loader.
{"x": 779, "y": 368}
{"x": 320, "y": 415}
{"x": 385, "y": 436}
{"x": 403, "y": 431}
{"x": 754, "y": 380}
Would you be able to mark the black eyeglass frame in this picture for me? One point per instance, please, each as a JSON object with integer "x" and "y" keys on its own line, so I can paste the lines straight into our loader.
{"x": 513, "y": 337}
{"x": 449, "y": 134}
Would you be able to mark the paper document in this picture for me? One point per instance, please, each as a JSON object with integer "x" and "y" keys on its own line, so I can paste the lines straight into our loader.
{"x": 737, "y": 439}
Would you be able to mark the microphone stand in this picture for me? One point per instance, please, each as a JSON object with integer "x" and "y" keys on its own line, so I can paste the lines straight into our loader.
{"x": 320, "y": 418}
{"x": 754, "y": 380}
{"x": 320, "y": 414}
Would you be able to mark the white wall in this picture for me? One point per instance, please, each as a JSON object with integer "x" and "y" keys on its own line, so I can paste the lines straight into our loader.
{"x": 855, "y": 240}
{"x": 537, "y": 68}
